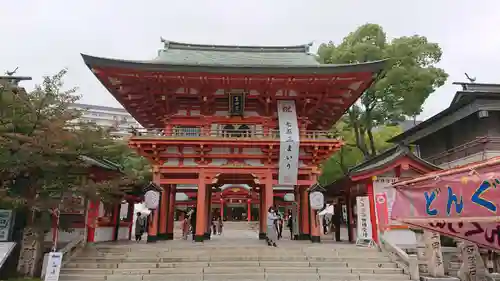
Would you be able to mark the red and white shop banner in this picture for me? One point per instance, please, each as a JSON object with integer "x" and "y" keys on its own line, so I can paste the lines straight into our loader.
{"x": 382, "y": 211}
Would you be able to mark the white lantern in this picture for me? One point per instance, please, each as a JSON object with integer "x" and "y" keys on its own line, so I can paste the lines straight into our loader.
{"x": 152, "y": 199}
{"x": 317, "y": 200}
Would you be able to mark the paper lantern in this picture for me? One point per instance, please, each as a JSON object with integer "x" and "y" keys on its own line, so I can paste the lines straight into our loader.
{"x": 317, "y": 200}
{"x": 152, "y": 199}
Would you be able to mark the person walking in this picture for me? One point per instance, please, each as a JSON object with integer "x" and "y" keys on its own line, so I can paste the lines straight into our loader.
{"x": 220, "y": 225}
{"x": 140, "y": 226}
{"x": 272, "y": 235}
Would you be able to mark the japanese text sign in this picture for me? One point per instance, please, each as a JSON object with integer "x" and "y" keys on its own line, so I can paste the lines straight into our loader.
{"x": 289, "y": 143}
{"x": 462, "y": 205}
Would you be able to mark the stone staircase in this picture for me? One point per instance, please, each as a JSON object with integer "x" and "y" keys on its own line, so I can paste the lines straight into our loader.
{"x": 230, "y": 259}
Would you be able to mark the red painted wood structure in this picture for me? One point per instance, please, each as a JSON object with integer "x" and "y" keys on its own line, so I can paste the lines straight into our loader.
{"x": 209, "y": 114}
{"x": 98, "y": 170}
{"x": 398, "y": 162}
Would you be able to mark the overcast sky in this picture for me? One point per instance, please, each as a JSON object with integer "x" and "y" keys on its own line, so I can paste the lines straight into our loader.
{"x": 44, "y": 36}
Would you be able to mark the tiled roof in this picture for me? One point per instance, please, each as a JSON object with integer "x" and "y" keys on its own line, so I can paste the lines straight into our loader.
{"x": 387, "y": 157}
{"x": 196, "y": 54}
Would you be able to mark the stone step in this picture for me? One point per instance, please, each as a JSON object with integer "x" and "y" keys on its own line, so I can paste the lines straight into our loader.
{"x": 317, "y": 264}
{"x": 347, "y": 259}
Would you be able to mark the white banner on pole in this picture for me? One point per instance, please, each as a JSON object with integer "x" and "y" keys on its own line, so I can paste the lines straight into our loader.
{"x": 364, "y": 224}
{"x": 289, "y": 143}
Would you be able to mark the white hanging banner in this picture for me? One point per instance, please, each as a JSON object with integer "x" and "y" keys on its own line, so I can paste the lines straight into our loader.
{"x": 289, "y": 143}
{"x": 364, "y": 223}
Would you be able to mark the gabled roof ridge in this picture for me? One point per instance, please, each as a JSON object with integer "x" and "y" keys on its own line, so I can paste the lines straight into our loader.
{"x": 174, "y": 45}
{"x": 395, "y": 152}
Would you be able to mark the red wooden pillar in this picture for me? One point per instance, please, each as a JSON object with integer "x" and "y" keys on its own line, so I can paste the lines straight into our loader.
{"x": 115, "y": 221}
{"x": 315, "y": 229}
{"x": 269, "y": 197}
{"x": 130, "y": 217}
{"x": 171, "y": 212}
{"x": 222, "y": 208}
{"x": 300, "y": 235}
{"x": 163, "y": 210}
{"x": 92, "y": 214}
{"x": 201, "y": 208}
{"x": 373, "y": 217}
{"x": 304, "y": 210}
{"x": 168, "y": 129}
{"x": 262, "y": 214}
{"x": 208, "y": 219}
{"x": 348, "y": 202}
{"x": 249, "y": 208}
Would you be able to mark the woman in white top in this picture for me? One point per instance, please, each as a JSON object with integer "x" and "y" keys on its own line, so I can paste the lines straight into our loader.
{"x": 272, "y": 236}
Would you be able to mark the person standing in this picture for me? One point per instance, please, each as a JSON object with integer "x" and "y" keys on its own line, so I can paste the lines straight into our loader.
{"x": 193, "y": 222}
{"x": 279, "y": 225}
{"x": 289, "y": 223}
{"x": 272, "y": 236}
{"x": 140, "y": 226}
{"x": 185, "y": 227}
{"x": 220, "y": 224}
{"x": 214, "y": 225}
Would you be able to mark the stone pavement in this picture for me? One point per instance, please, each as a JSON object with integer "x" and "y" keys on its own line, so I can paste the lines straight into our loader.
{"x": 237, "y": 254}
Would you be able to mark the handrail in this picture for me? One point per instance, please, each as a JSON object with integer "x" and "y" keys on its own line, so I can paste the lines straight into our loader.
{"x": 199, "y": 132}
{"x": 409, "y": 263}
{"x": 72, "y": 248}
{"x": 475, "y": 142}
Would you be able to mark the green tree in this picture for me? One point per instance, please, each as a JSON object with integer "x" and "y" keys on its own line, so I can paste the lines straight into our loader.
{"x": 41, "y": 165}
{"x": 410, "y": 77}
{"x": 350, "y": 155}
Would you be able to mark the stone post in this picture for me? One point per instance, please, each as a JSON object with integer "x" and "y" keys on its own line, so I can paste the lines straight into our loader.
{"x": 473, "y": 268}
{"x": 433, "y": 254}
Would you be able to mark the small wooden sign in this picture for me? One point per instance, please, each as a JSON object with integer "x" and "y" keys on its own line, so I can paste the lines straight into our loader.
{"x": 236, "y": 104}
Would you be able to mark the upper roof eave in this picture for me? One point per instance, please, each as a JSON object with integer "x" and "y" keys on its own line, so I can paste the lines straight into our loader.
{"x": 303, "y": 48}
{"x": 401, "y": 137}
{"x": 375, "y": 67}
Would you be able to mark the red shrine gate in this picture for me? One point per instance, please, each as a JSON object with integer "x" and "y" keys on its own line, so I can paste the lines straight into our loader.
{"x": 211, "y": 118}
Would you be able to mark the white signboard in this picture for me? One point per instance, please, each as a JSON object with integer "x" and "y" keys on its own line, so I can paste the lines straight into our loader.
{"x": 289, "y": 143}
{"x": 5, "y": 224}
{"x": 384, "y": 185}
{"x": 364, "y": 225}
{"x": 53, "y": 266}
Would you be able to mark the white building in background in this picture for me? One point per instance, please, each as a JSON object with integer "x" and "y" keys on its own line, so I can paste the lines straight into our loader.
{"x": 106, "y": 117}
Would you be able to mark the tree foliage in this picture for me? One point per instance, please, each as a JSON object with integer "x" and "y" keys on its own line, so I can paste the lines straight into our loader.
{"x": 42, "y": 144}
{"x": 350, "y": 155}
{"x": 410, "y": 77}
